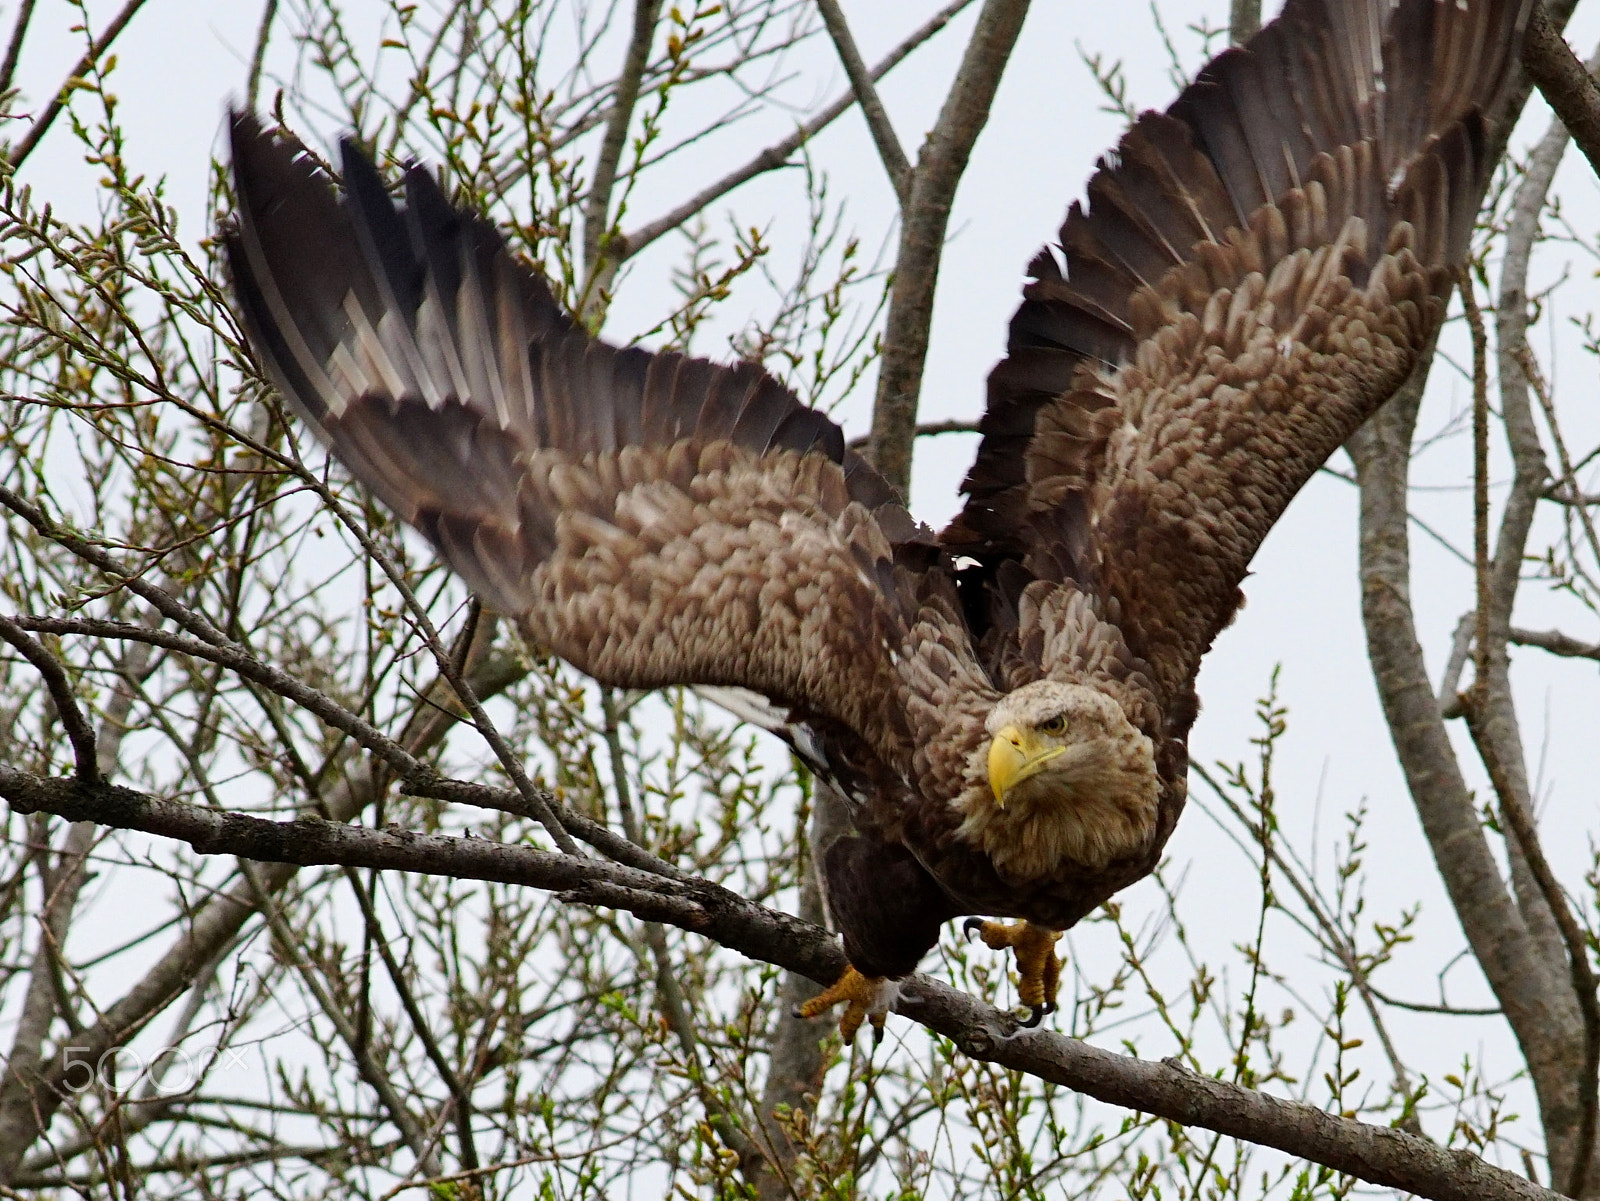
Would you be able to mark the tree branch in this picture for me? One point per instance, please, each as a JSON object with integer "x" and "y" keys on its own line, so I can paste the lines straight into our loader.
{"x": 19, "y": 30}
{"x": 779, "y": 153}
{"x": 1244, "y": 19}
{"x": 883, "y": 135}
{"x": 597, "y": 206}
{"x": 96, "y": 51}
{"x": 1377, "y": 1154}
{"x": 1556, "y": 643}
{"x": 1566, "y": 84}
{"x": 939, "y": 168}
{"x": 79, "y": 732}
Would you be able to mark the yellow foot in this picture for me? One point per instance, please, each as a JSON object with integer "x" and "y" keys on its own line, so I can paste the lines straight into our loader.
{"x": 865, "y": 997}
{"x": 1038, "y": 965}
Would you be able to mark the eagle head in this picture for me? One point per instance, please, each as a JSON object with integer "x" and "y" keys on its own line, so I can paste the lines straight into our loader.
{"x": 1068, "y": 777}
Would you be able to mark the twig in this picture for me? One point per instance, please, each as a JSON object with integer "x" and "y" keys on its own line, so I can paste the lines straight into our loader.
{"x": 883, "y": 135}
{"x": 420, "y": 778}
{"x": 926, "y": 429}
{"x": 98, "y": 47}
{"x": 1556, "y": 643}
{"x": 779, "y": 153}
{"x": 669, "y": 990}
{"x": 1335, "y": 940}
{"x": 8, "y": 69}
{"x": 79, "y": 732}
{"x": 1480, "y": 477}
{"x": 1535, "y": 378}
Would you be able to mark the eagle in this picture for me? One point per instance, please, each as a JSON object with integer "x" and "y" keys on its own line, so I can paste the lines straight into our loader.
{"x": 1005, "y": 705}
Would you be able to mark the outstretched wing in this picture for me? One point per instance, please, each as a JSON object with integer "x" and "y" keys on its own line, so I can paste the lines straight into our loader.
{"x": 654, "y": 519}
{"x": 1258, "y": 269}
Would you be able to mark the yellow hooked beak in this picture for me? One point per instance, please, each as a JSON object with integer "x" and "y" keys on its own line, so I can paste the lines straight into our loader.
{"x": 1014, "y": 755}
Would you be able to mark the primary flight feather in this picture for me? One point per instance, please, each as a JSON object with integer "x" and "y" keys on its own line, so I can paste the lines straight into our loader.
{"x": 1256, "y": 271}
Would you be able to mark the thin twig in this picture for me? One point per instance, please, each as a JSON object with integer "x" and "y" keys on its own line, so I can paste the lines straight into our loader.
{"x": 97, "y": 48}
{"x": 925, "y": 429}
{"x": 8, "y": 69}
{"x": 779, "y": 153}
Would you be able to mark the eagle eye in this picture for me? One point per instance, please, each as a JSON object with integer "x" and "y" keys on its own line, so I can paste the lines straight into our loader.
{"x": 1055, "y": 725}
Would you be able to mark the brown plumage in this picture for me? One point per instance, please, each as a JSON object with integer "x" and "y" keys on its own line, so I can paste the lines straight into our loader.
{"x": 1256, "y": 272}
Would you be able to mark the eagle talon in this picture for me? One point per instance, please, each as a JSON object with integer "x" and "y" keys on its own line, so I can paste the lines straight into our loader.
{"x": 1038, "y": 965}
{"x": 865, "y": 998}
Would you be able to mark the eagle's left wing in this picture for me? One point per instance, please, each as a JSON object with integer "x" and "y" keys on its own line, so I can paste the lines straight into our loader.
{"x": 653, "y": 519}
{"x": 1258, "y": 269}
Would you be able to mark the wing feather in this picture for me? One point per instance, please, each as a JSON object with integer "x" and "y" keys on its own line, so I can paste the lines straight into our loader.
{"x": 652, "y": 518}
{"x": 1257, "y": 270}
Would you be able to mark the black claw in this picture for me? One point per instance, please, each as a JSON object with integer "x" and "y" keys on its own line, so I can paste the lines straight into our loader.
{"x": 877, "y": 1037}
{"x": 796, "y": 1014}
{"x": 971, "y": 926}
{"x": 1035, "y": 1015}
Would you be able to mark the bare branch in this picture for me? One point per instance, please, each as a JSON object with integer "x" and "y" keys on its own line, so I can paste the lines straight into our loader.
{"x": 258, "y": 58}
{"x": 883, "y": 136}
{"x": 1584, "y": 983}
{"x": 1565, "y": 83}
{"x": 1244, "y": 19}
{"x": 79, "y": 732}
{"x": 19, "y": 30}
{"x": 940, "y": 165}
{"x": 925, "y": 429}
{"x": 1556, "y": 643}
{"x": 597, "y": 207}
{"x": 779, "y": 154}
{"x": 96, "y": 51}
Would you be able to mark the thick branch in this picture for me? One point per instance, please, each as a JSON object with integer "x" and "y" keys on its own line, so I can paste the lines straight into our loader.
{"x": 1377, "y": 1154}
{"x": 1520, "y": 820}
{"x": 1489, "y": 917}
{"x": 939, "y": 168}
{"x": 1564, "y": 82}
{"x": 1244, "y": 19}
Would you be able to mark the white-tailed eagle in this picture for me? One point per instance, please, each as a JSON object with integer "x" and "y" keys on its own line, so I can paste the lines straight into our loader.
{"x": 1005, "y": 705}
